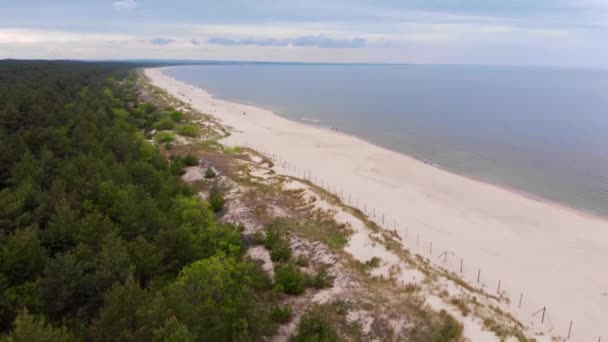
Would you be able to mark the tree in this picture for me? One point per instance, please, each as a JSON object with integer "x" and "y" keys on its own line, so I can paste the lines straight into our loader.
{"x": 29, "y": 328}
{"x": 119, "y": 320}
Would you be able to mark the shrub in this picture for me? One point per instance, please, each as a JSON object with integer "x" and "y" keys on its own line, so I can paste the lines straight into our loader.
{"x": 210, "y": 173}
{"x": 315, "y": 326}
{"x": 148, "y": 107}
{"x": 290, "y": 280}
{"x": 216, "y": 199}
{"x": 277, "y": 244}
{"x": 322, "y": 280}
{"x": 259, "y": 238}
{"x": 373, "y": 262}
{"x": 302, "y": 261}
{"x": 176, "y": 116}
{"x": 188, "y": 130}
{"x": 281, "y": 313}
{"x": 164, "y": 124}
{"x": 164, "y": 137}
{"x": 190, "y": 160}
{"x": 177, "y": 167}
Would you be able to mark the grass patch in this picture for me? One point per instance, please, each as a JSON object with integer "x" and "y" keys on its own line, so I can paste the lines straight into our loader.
{"x": 281, "y": 314}
{"x": 188, "y": 130}
{"x": 164, "y": 137}
{"x": 164, "y": 124}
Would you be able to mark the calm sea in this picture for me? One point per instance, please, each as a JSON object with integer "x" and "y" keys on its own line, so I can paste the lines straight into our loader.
{"x": 540, "y": 130}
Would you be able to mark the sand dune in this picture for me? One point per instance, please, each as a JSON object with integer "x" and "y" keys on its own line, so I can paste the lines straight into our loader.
{"x": 553, "y": 256}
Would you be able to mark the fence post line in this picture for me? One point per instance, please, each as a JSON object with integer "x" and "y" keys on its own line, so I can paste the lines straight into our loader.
{"x": 542, "y": 320}
{"x": 569, "y": 329}
{"x": 460, "y": 265}
{"x": 478, "y": 275}
{"x": 521, "y": 296}
{"x": 498, "y": 290}
{"x": 445, "y": 257}
{"x": 383, "y": 219}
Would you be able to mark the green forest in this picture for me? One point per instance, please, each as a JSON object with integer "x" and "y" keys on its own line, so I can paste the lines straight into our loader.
{"x": 99, "y": 239}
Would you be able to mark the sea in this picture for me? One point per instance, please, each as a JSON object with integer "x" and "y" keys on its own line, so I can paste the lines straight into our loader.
{"x": 537, "y": 130}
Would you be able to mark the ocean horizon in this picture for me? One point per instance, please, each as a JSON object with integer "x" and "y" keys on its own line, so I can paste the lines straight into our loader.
{"x": 536, "y": 130}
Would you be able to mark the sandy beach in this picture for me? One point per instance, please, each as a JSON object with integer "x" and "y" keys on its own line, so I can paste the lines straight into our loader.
{"x": 543, "y": 254}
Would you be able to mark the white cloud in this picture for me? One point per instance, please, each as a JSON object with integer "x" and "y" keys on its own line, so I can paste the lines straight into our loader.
{"x": 124, "y": 4}
{"x": 30, "y": 36}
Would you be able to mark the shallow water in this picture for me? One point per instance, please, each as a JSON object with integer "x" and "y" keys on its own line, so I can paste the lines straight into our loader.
{"x": 540, "y": 130}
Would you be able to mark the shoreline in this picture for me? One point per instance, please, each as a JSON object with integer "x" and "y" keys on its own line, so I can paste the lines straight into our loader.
{"x": 525, "y": 242}
{"x": 318, "y": 125}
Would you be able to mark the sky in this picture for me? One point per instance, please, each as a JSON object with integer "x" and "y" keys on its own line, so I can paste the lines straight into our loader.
{"x": 495, "y": 32}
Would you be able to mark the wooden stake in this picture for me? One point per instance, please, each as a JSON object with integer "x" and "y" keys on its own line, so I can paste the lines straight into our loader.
{"x": 460, "y": 265}
{"x": 521, "y": 296}
{"x": 569, "y": 329}
{"x": 478, "y": 275}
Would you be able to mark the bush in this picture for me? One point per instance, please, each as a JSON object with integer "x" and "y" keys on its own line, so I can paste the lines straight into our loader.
{"x": 164, "y": 137}
{"x": 290, "y": 280}
{"x": 177, "y": 167}
{"x": 277, "y": 244}
{"x": 188, "y": 130}
{"x": 315, "y": 326}
{"x": 190, "y": 160}
{"x": 373, "y": 262}
{"x": 216, "y": 199}
{"x": 259, "y": 238}
{"x": 302, "y": 261}
{"x": 176, "y": 116}
{"x": 148, "y": 107}
{"x": 164, "y": 124}
{"x": 322, "y": 280}
{"x": 281, "y": 313}
{"x": 210, "y": 173}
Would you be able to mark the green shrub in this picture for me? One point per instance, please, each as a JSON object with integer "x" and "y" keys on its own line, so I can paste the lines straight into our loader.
{"x": 148, "y": 107}
{"x": 164, "y": 124}
{"x": 176, "y": 116}
{"x": 177, "y": 167}
{"x": 259, "y": 238}
{"x": 277, "y": 244}
{"x": 216, "y": 199}
{"x": 302, "y": 261}
{"x": 190, "y": 160}
{"x": 164, "y": 137}
{"x": 373, "y": 262}
{"x": 315, "y": 326}
{"x": 210, "y": 173}
{"x": 281, "y": 313}
{"x": 188, "y": 130}
{"x": 290, "y": 280}
{"x": 322, "y": 280}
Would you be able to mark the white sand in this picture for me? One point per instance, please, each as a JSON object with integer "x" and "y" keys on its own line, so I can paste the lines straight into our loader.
{"x": 556, "y": 256}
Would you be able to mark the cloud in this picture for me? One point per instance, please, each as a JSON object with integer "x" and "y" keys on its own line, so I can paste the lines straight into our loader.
{"x": 161, "y": 41}
{"x": 248, "y": 41}
{"x": 320, "y": 41}
{"x": 33, "y": 36}
{"x": 325, "y": 42}
{"x": 195, "y": 42}
{"x": 124, "y": 4}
